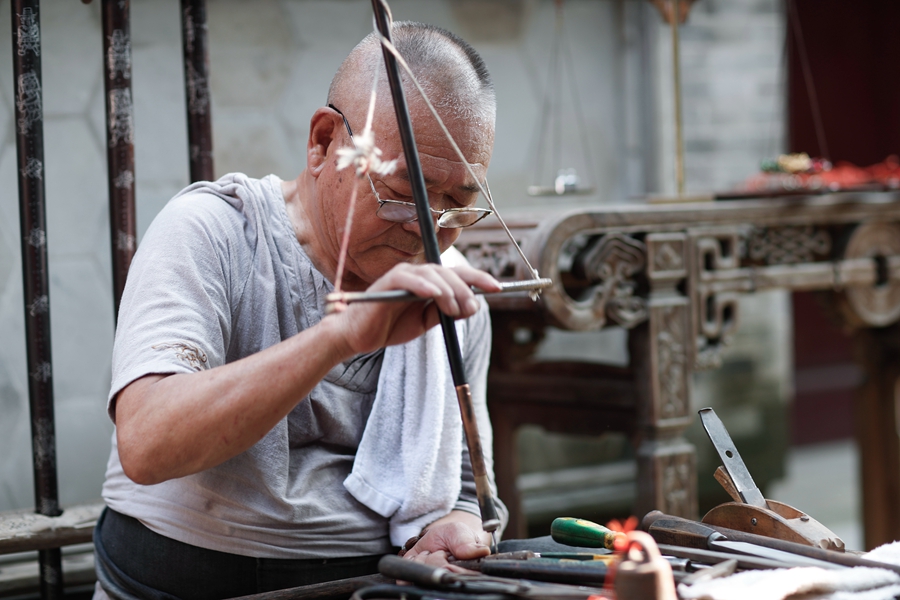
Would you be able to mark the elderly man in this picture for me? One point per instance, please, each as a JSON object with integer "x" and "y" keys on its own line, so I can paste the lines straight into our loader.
{"x": 254, "y": 446}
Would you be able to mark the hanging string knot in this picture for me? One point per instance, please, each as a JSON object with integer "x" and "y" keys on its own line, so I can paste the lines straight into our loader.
{"x": 365, "y": 156}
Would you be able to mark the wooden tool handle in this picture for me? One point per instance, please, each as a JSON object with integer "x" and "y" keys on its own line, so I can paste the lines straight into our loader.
{"x": 726, "y": 482}
{"x": 578, "y": 532}
{"x": 676, "y": 531}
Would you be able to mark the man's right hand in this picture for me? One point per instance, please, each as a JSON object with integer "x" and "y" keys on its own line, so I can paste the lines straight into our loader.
{"x": 368, "y": 326}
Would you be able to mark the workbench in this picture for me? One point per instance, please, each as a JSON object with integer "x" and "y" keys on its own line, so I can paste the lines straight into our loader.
{"x": 672, "y": 274}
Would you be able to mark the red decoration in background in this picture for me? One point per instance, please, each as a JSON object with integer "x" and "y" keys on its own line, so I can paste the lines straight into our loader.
{"x": 842, "y": 176}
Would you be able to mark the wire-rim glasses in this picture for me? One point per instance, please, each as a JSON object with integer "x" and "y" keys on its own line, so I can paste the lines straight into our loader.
{"x": 398, "y": 211}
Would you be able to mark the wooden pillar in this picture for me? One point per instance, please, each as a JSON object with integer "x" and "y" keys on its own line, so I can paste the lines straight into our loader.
{"x": 195, "y": 49}
{"x": 877, "y": 434}
{"x": 660, "y": 354}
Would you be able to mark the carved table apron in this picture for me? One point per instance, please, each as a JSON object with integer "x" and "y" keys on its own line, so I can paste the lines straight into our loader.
{"x": 672, "y": 275}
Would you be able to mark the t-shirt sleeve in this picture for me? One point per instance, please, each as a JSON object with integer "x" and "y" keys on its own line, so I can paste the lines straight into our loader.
{"x": 477, "y": 352}
{"x": 175, "y": 314}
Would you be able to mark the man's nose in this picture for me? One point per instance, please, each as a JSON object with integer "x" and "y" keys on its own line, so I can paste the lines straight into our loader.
{"x": 413, "y": 226}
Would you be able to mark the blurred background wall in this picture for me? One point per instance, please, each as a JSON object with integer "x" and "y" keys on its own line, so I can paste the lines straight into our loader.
{"x": 271, "y": 62}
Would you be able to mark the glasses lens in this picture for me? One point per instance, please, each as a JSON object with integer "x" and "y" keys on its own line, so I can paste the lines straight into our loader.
{"x": 398, "y": 212}
{"x": 461, "y": 218}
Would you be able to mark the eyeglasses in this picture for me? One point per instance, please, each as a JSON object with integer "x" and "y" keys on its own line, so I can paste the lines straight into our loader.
{"x": 398, "y": 211}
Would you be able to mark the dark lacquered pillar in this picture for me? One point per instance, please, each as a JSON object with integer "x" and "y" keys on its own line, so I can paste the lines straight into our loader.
{"x": 26, "y": 52}
{"x": 119, "y": 139}
{"x": 196, "y": 85}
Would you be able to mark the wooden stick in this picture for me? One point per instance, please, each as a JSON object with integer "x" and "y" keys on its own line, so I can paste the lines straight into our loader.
{"x": 489, "y": 518}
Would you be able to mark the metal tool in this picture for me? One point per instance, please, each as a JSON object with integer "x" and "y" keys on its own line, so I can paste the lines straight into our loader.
{"x": 722, "y": 569}
{"x": 676, "y": 530}
{"x": 506, "y": 287}
{"x": 667, "y": 529}
{"x": 577, "y": 572}
{"x": 712, "y": 557}
{"x": 718, "y": 542}
{"x": 731, "y": 459}
{"x": 750, "y": 511}
{"x": 449, "y": 582}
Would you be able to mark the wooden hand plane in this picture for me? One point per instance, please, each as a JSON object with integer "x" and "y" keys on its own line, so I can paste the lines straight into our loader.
{"x": 751, "y": 512}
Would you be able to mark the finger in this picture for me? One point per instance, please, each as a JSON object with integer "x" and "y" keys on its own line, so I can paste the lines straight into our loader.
{"x": 457, "y": 285}
{"x": 462, "y": 292}
{"x": 433, "y": 559}
{"x": 410, "y": 278}
{"x": 429, "y": 277}
{"x": 470, "y": 550}
{"x": 451, "y": 303}
{"x": 478, "y": 278}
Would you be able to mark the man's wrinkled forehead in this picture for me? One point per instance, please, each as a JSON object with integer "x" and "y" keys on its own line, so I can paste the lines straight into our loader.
{"x": 466, "y": 188}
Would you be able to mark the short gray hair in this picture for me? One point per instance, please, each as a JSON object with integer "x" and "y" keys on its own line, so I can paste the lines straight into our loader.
{"x": 452, "y": 73}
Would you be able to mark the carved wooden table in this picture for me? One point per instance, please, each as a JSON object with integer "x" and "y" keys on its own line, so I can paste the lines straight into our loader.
{"x": 672, "y": 275}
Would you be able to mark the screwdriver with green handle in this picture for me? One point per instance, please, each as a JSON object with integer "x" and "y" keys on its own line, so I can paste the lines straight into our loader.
{"x": 579, "y": 532}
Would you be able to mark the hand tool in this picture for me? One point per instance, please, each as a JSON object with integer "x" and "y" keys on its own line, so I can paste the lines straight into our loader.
{"x": 577, "y": 572}
{"x": 447, "y": 581}
{"x": 722, "y": 569}
{"x": 506, "y": 287}
{"x": 750, "y": 511}
{"x": 474, "y": 565}
{"x": 682, "y": 532}
{"x": 580, "y": 532}
{"x": 675, "y": 530}
{"x": 712, "y": 557}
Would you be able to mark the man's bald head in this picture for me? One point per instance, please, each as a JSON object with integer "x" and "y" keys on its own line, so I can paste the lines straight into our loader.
{"x": 449, "y": 69}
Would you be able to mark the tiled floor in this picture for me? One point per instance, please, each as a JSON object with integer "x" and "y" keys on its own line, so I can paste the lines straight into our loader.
{"x": 823, "y": 481}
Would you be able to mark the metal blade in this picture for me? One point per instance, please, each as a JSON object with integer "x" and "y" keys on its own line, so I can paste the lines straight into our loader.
{"x": 712, "y": 557}
{"x": 772, "y": 554}
{"x": 731, "y": 458}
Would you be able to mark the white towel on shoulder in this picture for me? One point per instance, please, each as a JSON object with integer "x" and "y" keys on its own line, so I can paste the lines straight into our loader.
{"x": 408, "y": 464}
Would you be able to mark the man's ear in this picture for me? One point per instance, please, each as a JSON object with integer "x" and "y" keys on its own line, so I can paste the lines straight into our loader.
{"x": 324, "y": 129}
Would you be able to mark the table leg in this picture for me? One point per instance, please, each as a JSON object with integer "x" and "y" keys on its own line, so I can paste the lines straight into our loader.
{"x": 667, "y": 468}
{"x": 877, "y": 434}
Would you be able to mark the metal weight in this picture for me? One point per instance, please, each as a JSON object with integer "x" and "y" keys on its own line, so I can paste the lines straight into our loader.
{"x": 644, "y": 574}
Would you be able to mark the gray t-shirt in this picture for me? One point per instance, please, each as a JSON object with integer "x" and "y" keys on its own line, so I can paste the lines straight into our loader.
{"x": 220, "y": 275}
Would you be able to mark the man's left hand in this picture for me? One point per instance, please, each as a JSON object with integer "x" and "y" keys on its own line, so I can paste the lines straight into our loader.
{"x": 448, "y": 539}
